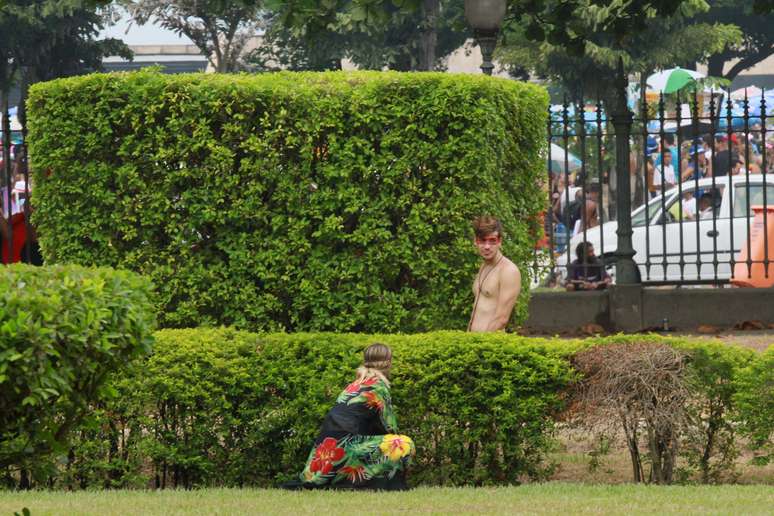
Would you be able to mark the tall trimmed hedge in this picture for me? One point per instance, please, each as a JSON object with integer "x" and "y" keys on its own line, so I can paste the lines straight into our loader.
{"x": 289, "y": 201}
{"x": 63, "y": 331}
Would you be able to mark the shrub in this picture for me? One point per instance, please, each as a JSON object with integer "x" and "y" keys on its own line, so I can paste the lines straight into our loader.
{"x": 63, "y": 329}
{"x": 705, "y": 423}
{"x": 642, "y": 388}
{"x": 710, "y": 443}
{"x": 289, "y": 201}
{"x": 755, "y": 398}
{"x": 224, "y": 407}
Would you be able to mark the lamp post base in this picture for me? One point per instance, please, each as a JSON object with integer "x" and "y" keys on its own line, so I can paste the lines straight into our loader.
{"x": 487, "y": 40}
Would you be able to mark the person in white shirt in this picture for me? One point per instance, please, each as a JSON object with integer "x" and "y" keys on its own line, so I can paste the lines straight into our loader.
{"x": 664, "y": 172}
{"x": 688, "y": 205}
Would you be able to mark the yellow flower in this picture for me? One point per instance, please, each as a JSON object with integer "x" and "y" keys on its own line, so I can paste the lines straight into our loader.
{"x": 396, "y": 446}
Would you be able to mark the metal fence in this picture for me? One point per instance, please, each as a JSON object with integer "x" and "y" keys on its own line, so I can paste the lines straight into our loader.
{"x": 17, "y": 236}
{"x": 701, "y": 173}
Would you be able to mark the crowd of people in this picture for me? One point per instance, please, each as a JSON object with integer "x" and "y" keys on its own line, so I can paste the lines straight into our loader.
{"x": 582, "y": 198}
{"x": 14, "y": 226}
{"x": 706, "y": 156}
{"x": 575, "y": 201}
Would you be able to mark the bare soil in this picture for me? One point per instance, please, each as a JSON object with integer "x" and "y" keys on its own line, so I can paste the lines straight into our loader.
{"x": 575, "y": 463}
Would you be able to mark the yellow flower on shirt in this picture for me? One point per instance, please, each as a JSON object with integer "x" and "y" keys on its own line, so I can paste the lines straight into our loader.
{"x": 396, "y": 446}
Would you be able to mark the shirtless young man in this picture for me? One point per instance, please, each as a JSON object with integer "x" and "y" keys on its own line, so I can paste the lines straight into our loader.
{"x": 498, "y": 281}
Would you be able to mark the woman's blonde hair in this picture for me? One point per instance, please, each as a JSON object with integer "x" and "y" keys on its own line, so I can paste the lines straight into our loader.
{"x": 377, "y": 360}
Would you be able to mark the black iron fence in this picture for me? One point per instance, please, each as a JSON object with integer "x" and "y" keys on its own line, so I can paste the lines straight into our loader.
{"x": 17, "y": 236}
{"x": 701, "y": 177}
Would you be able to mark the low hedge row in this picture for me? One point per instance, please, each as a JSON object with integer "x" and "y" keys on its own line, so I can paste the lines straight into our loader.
{"x": 226, "y": 407}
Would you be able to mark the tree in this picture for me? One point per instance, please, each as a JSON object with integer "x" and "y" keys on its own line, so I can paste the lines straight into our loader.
{"x": 282, "y": 48}
{"x": 219, "y": 28}
{"x": 400, "y": 36}
{"x": 757, "y": 40}
{"x": 554, "y": 21}
{"x": 44, "y": 39}
{"x": 663, "y": 42}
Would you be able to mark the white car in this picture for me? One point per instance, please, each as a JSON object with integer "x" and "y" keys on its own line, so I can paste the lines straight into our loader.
{"x": 705, "y": 243}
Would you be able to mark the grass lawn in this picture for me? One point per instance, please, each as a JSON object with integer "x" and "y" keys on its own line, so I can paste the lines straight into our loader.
{"x": 550, "y": 498}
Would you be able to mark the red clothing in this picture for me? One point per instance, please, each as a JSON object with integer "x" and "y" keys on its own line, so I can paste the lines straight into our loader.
{"x": 19, "y": 237}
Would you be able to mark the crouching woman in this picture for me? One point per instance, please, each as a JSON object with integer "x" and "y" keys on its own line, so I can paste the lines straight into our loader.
{"x": 359, "y": 446}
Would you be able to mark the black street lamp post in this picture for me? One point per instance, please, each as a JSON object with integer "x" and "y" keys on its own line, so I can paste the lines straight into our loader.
{"x": 625, "y": 269}
{"x": 485, "y": 18}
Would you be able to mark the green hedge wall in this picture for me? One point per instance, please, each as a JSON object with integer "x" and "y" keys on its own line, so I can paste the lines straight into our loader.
{"x": 63, "y": 330}
{"x": 289, "y": 201}
{"x": 222, "y": 407}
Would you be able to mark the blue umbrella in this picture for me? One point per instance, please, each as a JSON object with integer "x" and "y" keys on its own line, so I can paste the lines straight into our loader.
{"x": 754, "y": 104}
{"x": 737, "y": 118}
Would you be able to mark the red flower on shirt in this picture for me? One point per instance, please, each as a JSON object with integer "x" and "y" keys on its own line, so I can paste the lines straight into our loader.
{"x": 373, "y": 400}
{"x": 354, "y": 473}
{"x": 353, "y": 387}
{"x": 326, "y": 454}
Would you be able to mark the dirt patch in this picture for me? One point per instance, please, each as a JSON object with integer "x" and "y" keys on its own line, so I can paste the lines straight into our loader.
{"x": 578, "y": 459}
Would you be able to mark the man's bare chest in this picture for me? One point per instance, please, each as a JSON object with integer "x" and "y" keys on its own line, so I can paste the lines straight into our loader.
{"x": 486, "y": 284}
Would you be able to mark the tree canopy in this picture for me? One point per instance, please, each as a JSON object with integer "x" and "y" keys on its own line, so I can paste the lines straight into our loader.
{"x": 402, "y": 38}
{"x": 663, "y": 42}
{"x": 220, "y": 28}
{"x": 554, "y": 21}
{"x": 757, "y": 36}
{"x": 44, "y": 39}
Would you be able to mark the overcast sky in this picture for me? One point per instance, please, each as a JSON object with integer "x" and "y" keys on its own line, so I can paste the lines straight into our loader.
{"x": 147, "y": 34}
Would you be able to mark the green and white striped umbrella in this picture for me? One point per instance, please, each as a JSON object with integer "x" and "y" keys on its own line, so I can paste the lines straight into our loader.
{"x": 669, "y": 81}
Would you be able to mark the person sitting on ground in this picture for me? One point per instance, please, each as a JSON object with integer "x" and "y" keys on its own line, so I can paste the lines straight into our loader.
{"x": 586, "y": 272}
{"x": 358, "y": 446}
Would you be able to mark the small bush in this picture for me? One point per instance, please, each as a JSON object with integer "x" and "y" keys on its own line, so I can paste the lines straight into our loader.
{"x": 710, "y": 445}
{"x": 63, "y": 330}
{"x": 640, "y": 388}
{"x": 699, "y": 410}
{"x": 755, "y": 398}
{"x": 289, "y": 201}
